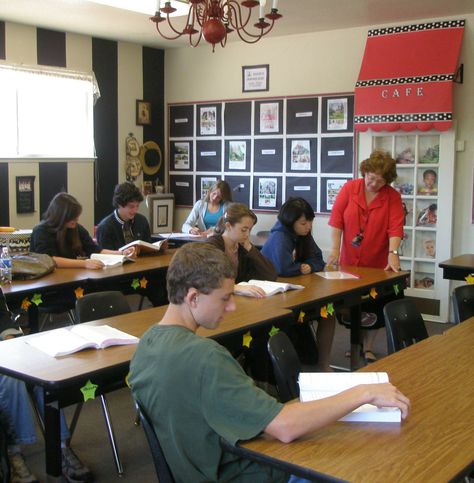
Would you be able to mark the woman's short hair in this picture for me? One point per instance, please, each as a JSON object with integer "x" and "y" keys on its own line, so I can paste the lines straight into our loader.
{"x": 380, "y": 162}
{"x": 234, "y": 214}
{"x": 293, "y": 209}
{"x": 223, "y": 186}
{"x": 61, "y": 209}
{"x": 124, "y": 193}
{"x": 197, "y": 265}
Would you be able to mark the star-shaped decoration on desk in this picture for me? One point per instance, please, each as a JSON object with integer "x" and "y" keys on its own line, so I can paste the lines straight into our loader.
{"x": 274, "y": 330}
{"x": 470, "y": 278}
{"x": 330, "y": 308}
{"x": 396, "y": 289}
{"x": 135, "y": 283}
{"x": 247, "y": 339}
{"x": 143, "y": 282}
{"x": 88, "y": 390}
{"x": 323, "y": 312}
{"x": 301, "y": 317}
{"x": 79, "y": 292}
{"x": 36, "y": 299}
{"x": 373, "y": 293}
{"x": 127, "y": 381}
{"x": 25, "y": 303}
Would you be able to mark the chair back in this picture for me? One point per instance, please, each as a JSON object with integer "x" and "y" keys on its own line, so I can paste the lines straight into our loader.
{"x": 162, "y": 469}
{"x": 286, "y": 366}
{"x": 404, "y": 324}
{"x": 99, "y": 305}
{"x": 463, "y": 302}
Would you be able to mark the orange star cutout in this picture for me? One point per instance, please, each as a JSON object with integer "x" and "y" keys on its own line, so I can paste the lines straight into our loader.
{"x": 373, "y": 293}
{"x": 143, "y": 282}
{"x": 79, "y": 292}
{"x": 324, "y": 312}
{"x": 25, "y": 304}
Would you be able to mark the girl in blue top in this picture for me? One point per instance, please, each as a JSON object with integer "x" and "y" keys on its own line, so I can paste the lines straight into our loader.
{"x": 292, "y": 250}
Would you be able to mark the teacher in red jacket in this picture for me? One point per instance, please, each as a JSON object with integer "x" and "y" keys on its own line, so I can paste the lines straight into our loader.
{"x": 367, "y": 227}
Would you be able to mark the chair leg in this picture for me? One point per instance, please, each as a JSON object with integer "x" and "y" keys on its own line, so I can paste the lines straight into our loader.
{"x": 110, "y": 431}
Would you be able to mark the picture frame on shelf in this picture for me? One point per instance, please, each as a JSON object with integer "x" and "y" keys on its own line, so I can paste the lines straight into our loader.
{"x": 143, "y": 113}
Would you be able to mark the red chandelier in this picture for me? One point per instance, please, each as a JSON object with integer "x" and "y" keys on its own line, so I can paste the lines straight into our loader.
{"x": 216, "y": 19}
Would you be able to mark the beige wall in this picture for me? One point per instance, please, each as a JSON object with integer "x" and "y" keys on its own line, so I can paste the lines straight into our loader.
{"x": 317, "y": 63}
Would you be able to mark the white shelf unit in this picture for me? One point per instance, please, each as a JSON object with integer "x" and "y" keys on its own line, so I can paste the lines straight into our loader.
{"x": 428, "y": 223}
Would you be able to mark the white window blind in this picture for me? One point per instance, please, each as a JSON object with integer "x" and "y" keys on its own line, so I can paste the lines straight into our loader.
{"x": 46, "y": 113}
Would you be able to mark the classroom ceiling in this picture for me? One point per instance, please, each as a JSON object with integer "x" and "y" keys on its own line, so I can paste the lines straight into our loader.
{"x": 299, "y": 16}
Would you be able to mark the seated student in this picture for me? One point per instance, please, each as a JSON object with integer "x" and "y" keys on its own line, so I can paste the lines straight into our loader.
{"x": 15, "y": 407}
{"x": 206, "y": 212}
{"x": 195, "y": 392}
{"x": 293, "y": 251}
{"x": 60, "y": 236}
{"x": 231, "y": 235}
{"x": 125, "y": 224}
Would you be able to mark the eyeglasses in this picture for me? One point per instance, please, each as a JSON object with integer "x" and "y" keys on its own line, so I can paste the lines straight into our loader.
{"x": 374, "y": 179}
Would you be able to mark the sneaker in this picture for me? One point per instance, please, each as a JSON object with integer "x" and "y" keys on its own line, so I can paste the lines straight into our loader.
{"x": 19, "y": 471}
{"x": 74, "y": 470}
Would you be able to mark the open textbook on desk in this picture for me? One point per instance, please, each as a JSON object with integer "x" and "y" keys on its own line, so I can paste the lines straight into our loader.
{"x": 111, "y": 260}
{"x": 318, "y": 385}
{"x": 61, "y": 342}
{"x": 146, "y": 247}
{"x": 270, "y": 288}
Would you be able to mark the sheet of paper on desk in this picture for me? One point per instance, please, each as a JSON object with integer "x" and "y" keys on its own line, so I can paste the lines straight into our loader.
{"x": 337, "y": 275}
{"x": 318, "y": 385}
{"x": 179, "y": 235}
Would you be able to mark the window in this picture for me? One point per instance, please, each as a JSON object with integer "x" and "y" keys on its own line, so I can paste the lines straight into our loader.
{"x": 46, "y": 113}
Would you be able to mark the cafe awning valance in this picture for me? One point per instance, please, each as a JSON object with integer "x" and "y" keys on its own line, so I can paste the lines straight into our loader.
{"x": 406, "y": 78}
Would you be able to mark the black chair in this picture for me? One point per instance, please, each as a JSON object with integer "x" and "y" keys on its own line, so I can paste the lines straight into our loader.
{"x": 463, "y": 303}
{"x": 95, "y": 306}
{"x": 46, "y": 312}
{"x": 162, "y": 469}
{"x": 404, "y": 324}
{"x": 286, "y": 366}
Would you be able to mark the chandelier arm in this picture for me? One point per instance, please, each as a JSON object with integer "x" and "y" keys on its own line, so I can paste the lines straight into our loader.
{"x": 196, "y": 43}
{"x": 237, "y": 18}
{"x": 251, "y": 35}
{"x": 200, "y": 13}
{"x": 177, "y": 36}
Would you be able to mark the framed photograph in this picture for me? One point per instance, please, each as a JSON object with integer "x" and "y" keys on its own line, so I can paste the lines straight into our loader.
{"x": 25, "y": 194}
{"x": 143, "y": 112}
{"x": 255, "y": 78}
{"x": 161, "y": 208}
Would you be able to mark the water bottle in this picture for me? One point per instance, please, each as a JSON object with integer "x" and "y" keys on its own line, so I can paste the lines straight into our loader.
{"x": 5, "y": 267}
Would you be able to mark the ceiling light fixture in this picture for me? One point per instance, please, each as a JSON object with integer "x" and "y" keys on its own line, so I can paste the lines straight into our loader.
{"x": 216, "y": 19}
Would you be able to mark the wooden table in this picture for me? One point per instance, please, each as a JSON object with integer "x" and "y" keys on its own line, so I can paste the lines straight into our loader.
{"x": 436, "y": 442}
{"x": 458, "y": 268}
{"x": 62, "y": 378}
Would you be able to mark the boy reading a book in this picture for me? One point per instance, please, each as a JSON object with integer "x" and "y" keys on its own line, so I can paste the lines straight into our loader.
{"x": 193, "y": 390}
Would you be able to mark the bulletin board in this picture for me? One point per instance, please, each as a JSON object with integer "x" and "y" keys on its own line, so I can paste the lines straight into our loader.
{"x": 267, "y": 149}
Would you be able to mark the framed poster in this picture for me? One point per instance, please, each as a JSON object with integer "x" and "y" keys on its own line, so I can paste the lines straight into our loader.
{"x": 25, "y": 194}
{"x": 161, "y": 212}
{"x": 255, "y": 78}
{"x": 143, "y": 113}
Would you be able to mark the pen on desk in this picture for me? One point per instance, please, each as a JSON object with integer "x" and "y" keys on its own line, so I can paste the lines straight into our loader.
{"x": 350, "y": 273}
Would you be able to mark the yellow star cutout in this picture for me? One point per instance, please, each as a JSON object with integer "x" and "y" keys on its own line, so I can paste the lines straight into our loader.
{"x": 470, "y": 278}
{"x": 246, "y": 339}
{"x": 88, "y": 390}
{"x": 373, "y": 293}
{"x": 301, "y": 317}
{"x": 143, "y": 282}
{"x": 79, "y": 292}
{"x": 323, "y": 312}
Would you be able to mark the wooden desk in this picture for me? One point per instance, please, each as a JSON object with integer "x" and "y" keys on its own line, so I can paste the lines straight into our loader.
{"x": 458, "y": 268}
{"x": 62, "y": 378}
{"x": 436, "y": 442}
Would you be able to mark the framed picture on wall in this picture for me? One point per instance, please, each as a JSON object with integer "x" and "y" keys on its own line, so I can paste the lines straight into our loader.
{"x": 161, "y": 208}
{"x": 143, "y": 113}
{"x": 255, "y": 78}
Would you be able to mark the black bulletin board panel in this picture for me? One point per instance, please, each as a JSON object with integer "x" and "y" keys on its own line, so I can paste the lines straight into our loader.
{"x": 181, "y": 121}
{"x": 268, "y": 149}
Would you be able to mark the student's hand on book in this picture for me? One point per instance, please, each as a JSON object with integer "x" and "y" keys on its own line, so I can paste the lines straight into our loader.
{"x": 132, "y": 252}
{"x": 305, "y": 268}
{"x": 93, "y": 264}
{"x": 194, "y": 231}
{"x": 249, "y": 291}
{"x": 387, "y": 395}
{"x": 164, "y": 245}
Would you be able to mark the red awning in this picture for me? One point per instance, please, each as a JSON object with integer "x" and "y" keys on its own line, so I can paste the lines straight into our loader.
{"x": 405, "y": 81}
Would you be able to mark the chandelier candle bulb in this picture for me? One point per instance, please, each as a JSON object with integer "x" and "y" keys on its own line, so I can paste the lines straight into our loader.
{"x": 275, "y": 4}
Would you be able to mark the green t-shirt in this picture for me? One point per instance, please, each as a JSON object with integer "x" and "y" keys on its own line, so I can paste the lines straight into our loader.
{"x": 194, "y": 392}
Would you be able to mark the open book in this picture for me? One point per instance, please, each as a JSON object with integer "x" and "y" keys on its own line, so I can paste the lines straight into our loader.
{"x": 270, "y": 288}
{"x": 111, "y": 260}
{"x": 337, "y": 275}
{"x": 61, "y": 342}
{"x": 145, "y": 247}
{"x": 318, "y": 385}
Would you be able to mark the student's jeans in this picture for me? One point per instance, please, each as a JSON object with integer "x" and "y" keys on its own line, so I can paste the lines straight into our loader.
{"x": 14, "y": 402}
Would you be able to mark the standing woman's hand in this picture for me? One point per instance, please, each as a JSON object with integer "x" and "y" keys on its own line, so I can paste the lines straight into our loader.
{"x": 393, "y": 262}
{"x": 333, "y": 258}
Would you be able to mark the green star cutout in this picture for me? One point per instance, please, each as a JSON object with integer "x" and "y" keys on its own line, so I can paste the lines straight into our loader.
{"x": 396, "y": 289}
{"x": 330, "y": 308}
{"x": 274, "y": 330}
{"x": 36, "y": 299}
{"x": 135, "y": 283}
{"x": 89, "y": 390}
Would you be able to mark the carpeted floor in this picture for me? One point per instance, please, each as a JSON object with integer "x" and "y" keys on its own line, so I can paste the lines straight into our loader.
{"x": 90, "y": 439}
